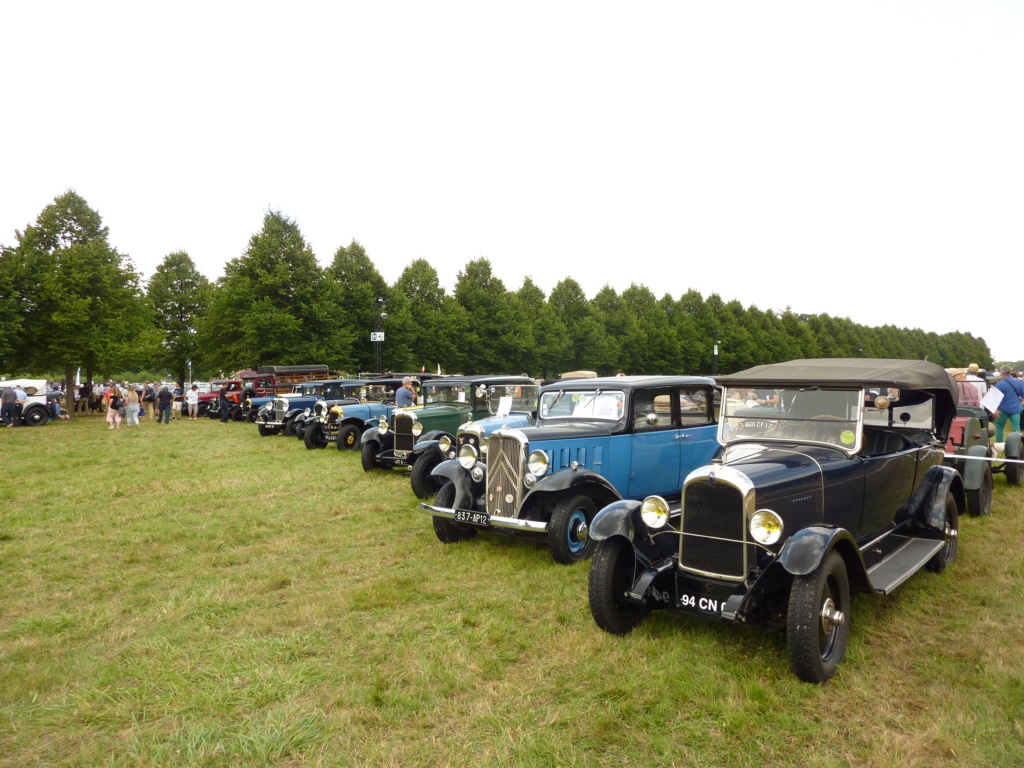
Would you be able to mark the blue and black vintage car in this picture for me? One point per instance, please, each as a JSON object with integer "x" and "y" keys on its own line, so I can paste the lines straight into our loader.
{"x": 829, "y": 480}
{"x": 278, "y": 415}
{"x": 510, "y": 406}
{"x": 595, "y": 441}
{"x": 341, "y": 422}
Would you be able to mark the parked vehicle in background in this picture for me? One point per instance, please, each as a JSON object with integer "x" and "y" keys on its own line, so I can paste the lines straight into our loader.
{"x": 39, "y": 407}
{"x": 970, "y": 451}
{"x": 829, "y": 480}
{"x": 209, "y": 403}
{"x": 444, "y": 404}
{"x": 510, "y": 406}
{"x": 277, "y": 416}
{"x": 595, "y": 441}
{"x": 341, "y": 422}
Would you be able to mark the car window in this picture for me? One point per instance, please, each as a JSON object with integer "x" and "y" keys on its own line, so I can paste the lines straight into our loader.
{"x": 592, "y": 404}
{"x": 652, "y": 409}
{"x": 695, "y": 406}
{"x": 803, "y": 414}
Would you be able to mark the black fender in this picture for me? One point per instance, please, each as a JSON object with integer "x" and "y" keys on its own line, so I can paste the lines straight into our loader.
{"x": 424, "y": 447}
{"x": 263, "y": 414}
{"x": 974, "y": 471}
{"x": 615, "y": 520}
{"x": 467, "y": 490}
{"x": 293, "y": 413}
{"x": 929, "y": 501}
{"x": 805, "y": 550}
{"x": 602, "y": 491}
{"x": 622, "y": 518}
{"x": 373, "y": 434}
{"x": 435, "y": 434}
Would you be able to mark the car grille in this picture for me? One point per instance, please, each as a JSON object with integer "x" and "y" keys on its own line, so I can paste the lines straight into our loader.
{"x": 713, "y": 511}
{"x": 506, "y": 466}
{"x": 404, "y": 438}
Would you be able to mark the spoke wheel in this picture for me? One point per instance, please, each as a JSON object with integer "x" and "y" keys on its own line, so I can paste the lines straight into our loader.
{"x": 947, "y": 555}
{"x": 447, "y": 531}
{"x": 979, "y": 500}
{"x": 818, "y": 620}
{"x": 569, "y": 529}
{"x": 612, "y": 572}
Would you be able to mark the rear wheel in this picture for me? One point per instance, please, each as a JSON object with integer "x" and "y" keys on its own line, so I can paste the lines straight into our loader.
{"x": 947, "y": 555}
{"x": 370, "y": 461}
{"x": 314, "y": 437}
{"x": 979, "y": 500}
{"x": 424, "y": 484}
{"x": 447, "y": 531}
{"x": 348, "y": 438}
{"x": 818, "y": 620}
{"x": 569, "y": 529}
{"x": 612, "y": 572}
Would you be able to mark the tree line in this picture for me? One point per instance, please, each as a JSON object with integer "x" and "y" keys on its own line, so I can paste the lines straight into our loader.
{"x": 68, "y": 299}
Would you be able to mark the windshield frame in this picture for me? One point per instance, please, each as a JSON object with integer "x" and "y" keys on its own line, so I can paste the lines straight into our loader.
{"x": 606, "y": 397}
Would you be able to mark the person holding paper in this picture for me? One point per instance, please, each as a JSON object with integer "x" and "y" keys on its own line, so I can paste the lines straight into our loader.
{"x": 1010, "y": 406}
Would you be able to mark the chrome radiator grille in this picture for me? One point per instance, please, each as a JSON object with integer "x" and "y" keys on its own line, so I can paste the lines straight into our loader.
{"x": 713, "y": 511}
{"x": 506, "y": 466}
{"x": 404, "y": 439}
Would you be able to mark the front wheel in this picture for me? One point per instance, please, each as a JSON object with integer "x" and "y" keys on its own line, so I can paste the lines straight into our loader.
{"x": 266, "y": 431}
{"x": 348, "y": 438}
{"x": 612, "y": 572}
{"x": 979, "y": 500}
{"x": 569, "y": 529}
{"x": 424, "y": 484}
{"x": 35, "y": 417}
{"x": 449, "y": 532}
{"x": 818, "y": 620}
{"x": 947, "y": 555}
{"x": 314, "y": 437}
{"x": 370, "y": 461}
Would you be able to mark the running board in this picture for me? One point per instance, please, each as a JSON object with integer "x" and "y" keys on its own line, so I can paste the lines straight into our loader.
{"x": 902, "y": 564}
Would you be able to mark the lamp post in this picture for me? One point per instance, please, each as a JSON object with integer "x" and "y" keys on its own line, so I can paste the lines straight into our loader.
{"x": 714, "y": 355}
{"x": 377, "y": 336}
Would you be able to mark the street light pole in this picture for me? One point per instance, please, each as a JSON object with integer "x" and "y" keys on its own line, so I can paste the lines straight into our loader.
{"x": 714, "y": 356}
{"x": 377, "y": 337}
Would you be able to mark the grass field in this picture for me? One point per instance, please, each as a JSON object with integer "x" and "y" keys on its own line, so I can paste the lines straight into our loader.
{"x": 195, "y": 595}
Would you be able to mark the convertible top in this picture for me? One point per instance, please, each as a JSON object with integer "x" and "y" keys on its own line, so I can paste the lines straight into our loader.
{"x": 900, "y": 374}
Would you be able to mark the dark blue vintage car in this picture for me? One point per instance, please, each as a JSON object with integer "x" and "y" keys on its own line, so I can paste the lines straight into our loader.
{"x": 829, "y": 479}
{"x": 341, "y": 422}
{"x": 595, "y": 441}
{"x": 278, "y": 415}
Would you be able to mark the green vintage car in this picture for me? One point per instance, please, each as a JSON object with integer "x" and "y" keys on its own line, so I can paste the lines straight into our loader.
{"x": 444, "y": 405}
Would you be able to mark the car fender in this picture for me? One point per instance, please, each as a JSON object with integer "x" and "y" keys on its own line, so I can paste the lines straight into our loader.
{"x": 806, "y": 549}
{"x": 466, "y": 490}
{"x": 615, "y": 520}
{"x": 974, "y": 471}
{"x": 422, "y": 447}
{"x": 574, "y": 479}
{"x": 1012, "y": 447}
{"x": 930, "y": 508}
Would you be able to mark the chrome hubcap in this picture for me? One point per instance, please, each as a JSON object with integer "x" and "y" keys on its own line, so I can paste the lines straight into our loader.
{"x": 830, "y": 617}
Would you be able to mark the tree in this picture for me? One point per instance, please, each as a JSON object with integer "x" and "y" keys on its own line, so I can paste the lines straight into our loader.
{"x": 546, "y": 357}
{"x": 435, "y": 320}
{"x": 179, "y": 294}
{"x": 274, "y": 306}
{"x": 588, "y": 346}
{"x": 495, "y": 337}
{"x": 80, "y": 298}
{"x": 362, "y": 296}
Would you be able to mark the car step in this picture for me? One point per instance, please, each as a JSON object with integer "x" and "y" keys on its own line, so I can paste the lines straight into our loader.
{"x": 902, "y": 564}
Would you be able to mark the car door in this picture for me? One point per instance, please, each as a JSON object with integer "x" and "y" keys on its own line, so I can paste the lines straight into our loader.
{"x": 698, "y": 437}
{"x": 654, "y": 461}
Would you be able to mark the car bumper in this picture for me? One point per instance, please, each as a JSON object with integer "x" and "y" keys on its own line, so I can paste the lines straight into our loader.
{"x": 493, "y": 521}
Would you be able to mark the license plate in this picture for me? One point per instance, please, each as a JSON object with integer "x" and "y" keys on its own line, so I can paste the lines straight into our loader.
{"x": 701, "y": 603}
{"x": 473, "y": 518}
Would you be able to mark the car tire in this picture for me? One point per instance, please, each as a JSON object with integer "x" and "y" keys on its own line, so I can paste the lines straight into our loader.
{"x": 251, "y": 416}
{"x": 289, "y": 427}
{"x": 236, "y": 413}
{"x": 300, "y": 429}
{"x": 266, "y": 431}
{"x": 817, "y": 642}
{"x": 449, "y": 532}
{"x": 612, "y": 572}
{"x": 568, "y": 530}
{"x": 424, "y": 484}
{"x": 35, "y": 416}
{"x": 1012, "y": 470}
{"x": 979, "y": 500}
{"x": 370, "y": 450}
{"x": 946, "y": 556}
{"x": 348, "y": 438}
{"x": 314, "y": 437}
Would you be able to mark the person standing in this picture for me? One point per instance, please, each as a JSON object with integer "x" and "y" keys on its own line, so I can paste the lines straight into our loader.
{"x": 405, "y": 397}
{"x": 192, "y": 398}
{"x": 967, "y": 392}
{"x": 9, "y": 406}
{"x": 179, "y": 395}
{"x": 1010, "y": 407}
{"x": 223, "y": 403}
{"x": 113, "y": 407}
{"x": 132, "y": 407}
{"x": 148, "y": 399}
{"x": 164, "y": 399}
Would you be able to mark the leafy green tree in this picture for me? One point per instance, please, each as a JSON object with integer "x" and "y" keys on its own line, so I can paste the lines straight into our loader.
{"x": 435, "y": 320}
{"x": 588, "y": 347}
{"x": 80, "y": 299}
{"x": 494, "y": 337}
{"x": 179, "y": 294}
{"x": 545, "y": 358}
{"x": 362, "y": 296}
{"x": 11, "y": 336}
{"x": 274, "y": 306}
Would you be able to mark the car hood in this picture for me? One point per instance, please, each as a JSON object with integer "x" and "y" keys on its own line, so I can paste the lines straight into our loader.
{"x": 780, "y": 468}
{"x": 562, "y": 430}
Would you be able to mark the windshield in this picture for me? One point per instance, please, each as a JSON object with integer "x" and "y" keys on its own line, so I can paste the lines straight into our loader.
{"x": 436, "y": 393}
{"x": 805, "y": 414}
{"x": 512, "y": 398}
{"x": 593, "y": 404}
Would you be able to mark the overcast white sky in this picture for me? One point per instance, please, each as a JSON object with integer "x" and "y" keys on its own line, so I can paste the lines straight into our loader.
{"x": 861, "y": 159}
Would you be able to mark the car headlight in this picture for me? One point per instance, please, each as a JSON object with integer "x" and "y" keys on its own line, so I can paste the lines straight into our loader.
{"x": 765, "y": 527}
{"x": 654, "y": 511}
{"x": 417, "y": 429}
{"x": 338, "y": 411}
{"x": 444, "y": 443}
{"x": 382, "y": 426}
{"x": 305, "y": 411}
{"x": 537, "y": 463}
{"x": 467, "y": 456}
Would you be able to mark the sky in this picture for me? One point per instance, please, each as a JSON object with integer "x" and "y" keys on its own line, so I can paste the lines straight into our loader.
{"x": 860, "y": 159}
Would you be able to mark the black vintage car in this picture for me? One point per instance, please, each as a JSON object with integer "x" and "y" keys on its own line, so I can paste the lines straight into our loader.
{"x": 829, "y": 480}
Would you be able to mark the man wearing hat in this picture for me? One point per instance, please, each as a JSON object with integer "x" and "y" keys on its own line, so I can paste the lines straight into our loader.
{"x": 967, "y": 393}
{"x": 405, "y": 397}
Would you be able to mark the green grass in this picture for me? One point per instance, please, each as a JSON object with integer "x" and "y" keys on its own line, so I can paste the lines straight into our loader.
{"x": 195, "y": 595}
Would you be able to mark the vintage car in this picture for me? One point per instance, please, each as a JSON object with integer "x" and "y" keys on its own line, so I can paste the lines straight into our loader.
{"x": 277, "y": 416}
{"x": 40, "y": 405}
{"x": 443, "y": 405}
{"x": 335, "y": 421}
{"x": 510, "y": 406}
{"x": 969, "y": 449}
{"x": 829, "y": 479}
{"x": 595, "y": 441}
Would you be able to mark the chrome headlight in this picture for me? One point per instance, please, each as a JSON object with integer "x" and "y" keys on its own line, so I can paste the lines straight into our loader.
{"x": 467, "y": 456}
{"x": 654, "y": 512}
{"x": 765, "y": 527}
{"x": 417, "y": 429}
{"x": 305, "y": 411}
{"x": 444, "y": 443}
{"x": 537, "y": 463}
{"x": 382, "y": 425}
